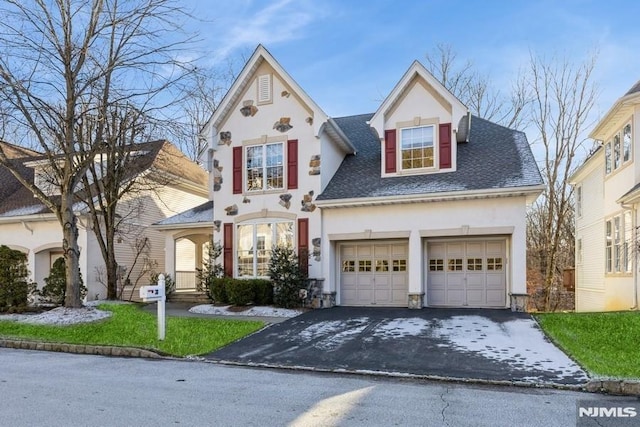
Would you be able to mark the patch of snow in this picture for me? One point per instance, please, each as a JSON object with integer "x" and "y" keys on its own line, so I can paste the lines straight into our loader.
{"x": 60, "y": 316}
{"x": 519, "y": 343}
{"x": 400, "y": 328}
{"x": 258, "y": 311}
{"x": 331, "y": 334}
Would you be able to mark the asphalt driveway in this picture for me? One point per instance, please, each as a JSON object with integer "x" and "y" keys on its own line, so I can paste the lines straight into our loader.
{"x": 494, "y": 345}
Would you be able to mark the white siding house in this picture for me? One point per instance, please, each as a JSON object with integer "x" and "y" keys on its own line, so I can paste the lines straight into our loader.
{"x": 173, "y": 184}
{"x": 607, "y": 189}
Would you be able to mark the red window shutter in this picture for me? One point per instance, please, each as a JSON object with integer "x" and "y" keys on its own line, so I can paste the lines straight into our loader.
{"x": 445, "y": 145}
{"x": 390, "y": 151}
{"x": 303, "y": 245}
{"x": 228, "y": 249}
{"x": 292, "y": 164}
{"x": 237, "y": 170}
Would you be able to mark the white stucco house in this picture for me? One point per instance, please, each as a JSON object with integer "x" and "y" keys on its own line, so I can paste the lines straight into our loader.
{"x": 607, "y": 197}
{"x": 29, "y": 226}
{"x": 418, "y": 204}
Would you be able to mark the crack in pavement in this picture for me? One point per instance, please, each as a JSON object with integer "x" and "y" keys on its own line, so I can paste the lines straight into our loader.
{"x": 446, "y": 391}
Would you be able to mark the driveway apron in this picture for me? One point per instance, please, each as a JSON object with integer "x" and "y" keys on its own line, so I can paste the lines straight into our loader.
{"x": 466, "y": 344}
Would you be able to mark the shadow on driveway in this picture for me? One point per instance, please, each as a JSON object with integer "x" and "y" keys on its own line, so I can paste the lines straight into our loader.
{"x": 493, "y": 345}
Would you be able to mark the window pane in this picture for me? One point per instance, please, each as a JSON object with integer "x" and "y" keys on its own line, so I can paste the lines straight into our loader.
{"x": 245, "y": 250}
{"x": 455, "y": 264}
{"x": 494, "y": 264}
{"x": 348, "y": 266}
{"x": 254, "y": 168}
{"x": 274, "y": 166}
{"x": 616, "y": 151}
{"x": 626, "y": 142}
{"x": 607, "y": 156}
{"x": 364, "y": 265}
{"x": 284, "y": 234}
{"x": 399, "y": 265}
{"x": 417, "y": 147}
{"x": 382, "y": 265}
{"x": 628, "y": 239}
{"x": 474, "y": 264}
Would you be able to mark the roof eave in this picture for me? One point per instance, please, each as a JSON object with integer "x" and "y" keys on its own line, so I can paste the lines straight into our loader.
{"x": 180, "y": 226}
{"x": 531, "y": 192}
{"x": 619, "y": 111}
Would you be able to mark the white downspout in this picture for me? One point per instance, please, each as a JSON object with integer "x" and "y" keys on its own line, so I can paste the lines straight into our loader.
{"x": 634, "y": 213}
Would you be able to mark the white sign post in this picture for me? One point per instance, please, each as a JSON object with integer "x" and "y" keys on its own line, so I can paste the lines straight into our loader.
{"x": 156, "y": 293}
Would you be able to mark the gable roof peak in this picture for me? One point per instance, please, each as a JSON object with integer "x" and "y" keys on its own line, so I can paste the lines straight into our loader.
{"x": 416, "y": 69}
{"x": 245, "y": 77}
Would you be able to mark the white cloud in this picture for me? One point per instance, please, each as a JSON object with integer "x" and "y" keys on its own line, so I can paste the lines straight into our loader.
{"x": 280, "y": 21}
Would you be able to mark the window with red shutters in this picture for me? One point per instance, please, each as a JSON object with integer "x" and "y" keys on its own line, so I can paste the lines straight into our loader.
{"x": 390, "y": 150}
{"x": 228, "y": 249}
{"x": 445, "y": 145}
{"x": 303, "y": 245}
{"x": 292, "y": 164}
{"x": 237, "y": 170}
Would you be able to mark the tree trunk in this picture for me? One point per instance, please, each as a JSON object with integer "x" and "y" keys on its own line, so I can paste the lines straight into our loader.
{"x": 112, "y": 273}
{"x": 71, "y": 254}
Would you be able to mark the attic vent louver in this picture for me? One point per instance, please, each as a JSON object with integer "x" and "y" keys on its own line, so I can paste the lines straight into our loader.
{"x": 264, "y": 88}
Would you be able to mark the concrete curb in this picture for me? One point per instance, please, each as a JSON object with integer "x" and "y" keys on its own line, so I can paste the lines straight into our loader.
{"x": 100, "y": 350}
{"x": 606, "y": 386}
{"x": 614, "y": 387}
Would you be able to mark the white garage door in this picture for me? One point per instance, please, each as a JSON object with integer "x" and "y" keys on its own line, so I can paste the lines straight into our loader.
{"x": 374, "y": 274}
{"x": 466, "y": 273}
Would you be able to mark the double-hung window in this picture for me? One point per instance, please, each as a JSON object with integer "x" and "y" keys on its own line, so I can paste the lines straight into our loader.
{"x": 265, "y": 167}
{"x": 417, "y": 147}
{"x": 618, "y": 243}
{"x": 618, "y": 150}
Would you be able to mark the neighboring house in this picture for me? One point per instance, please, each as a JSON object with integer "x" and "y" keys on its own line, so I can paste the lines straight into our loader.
{"x": 172, "y": 183}
{"x": 607, "y": 194}
{"x": 418, "y": 204}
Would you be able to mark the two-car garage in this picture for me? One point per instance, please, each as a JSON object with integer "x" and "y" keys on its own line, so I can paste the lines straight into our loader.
{"x": 458, "y": 273}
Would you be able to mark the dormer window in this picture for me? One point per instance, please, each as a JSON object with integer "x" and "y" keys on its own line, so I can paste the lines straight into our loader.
{"x": 416, "y": 145}
{"x": 419, "y": 146}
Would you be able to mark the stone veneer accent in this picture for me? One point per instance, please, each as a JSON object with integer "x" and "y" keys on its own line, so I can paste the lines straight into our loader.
{"x": 328, "y": 299}
{"x": 232, "y": 210}
{"x": 314, "y": 165}
{"x": 416, "y": 301}
{"x": 519, "y": 302}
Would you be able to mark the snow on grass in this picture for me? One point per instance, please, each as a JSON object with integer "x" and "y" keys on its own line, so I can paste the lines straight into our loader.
{"x": 258, "y": 311}
{"x": 517, "y": 342}
{"x": 60, "y": 316}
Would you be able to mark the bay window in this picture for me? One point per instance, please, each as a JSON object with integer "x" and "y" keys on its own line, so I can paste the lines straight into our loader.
{"x": 255, "y": 242}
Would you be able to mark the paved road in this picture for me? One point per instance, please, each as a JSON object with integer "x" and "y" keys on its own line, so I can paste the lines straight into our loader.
{"x": 54, "y": 389}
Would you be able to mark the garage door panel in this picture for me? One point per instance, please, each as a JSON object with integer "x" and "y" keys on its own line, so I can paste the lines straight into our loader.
{"x": 379, "y": 276}
{"x": 472, "y": 274}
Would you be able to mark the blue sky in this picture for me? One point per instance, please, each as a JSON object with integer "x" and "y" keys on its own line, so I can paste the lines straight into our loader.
{"x": 348, "y": 55}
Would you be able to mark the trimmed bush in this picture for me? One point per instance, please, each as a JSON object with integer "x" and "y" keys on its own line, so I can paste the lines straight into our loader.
{"x": 169, "y": 283}
{"x": 263, "y": 291}
{"x": 240, "y": 292}
{"x": 287, "y": 277}
{"x": 217, "y": 289}
{"x": 15, "y": 287}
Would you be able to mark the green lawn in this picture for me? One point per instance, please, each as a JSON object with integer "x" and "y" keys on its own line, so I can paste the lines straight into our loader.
{"x": 606, "y": 344}
{"x": 131, "y": 327}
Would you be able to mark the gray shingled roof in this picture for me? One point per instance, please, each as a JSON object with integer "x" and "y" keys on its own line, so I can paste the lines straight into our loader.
{"x": 635, "y": 88}
{"x": 495, "y": 157}
{"x": 200, "y": 214}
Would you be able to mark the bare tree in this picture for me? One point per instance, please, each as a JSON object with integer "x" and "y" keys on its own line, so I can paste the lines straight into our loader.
{"x": 202, "y": 93}
{"x": 65, "y": 67}
{"x": 563, "y": 96}
{"x": 475, "y": 90}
